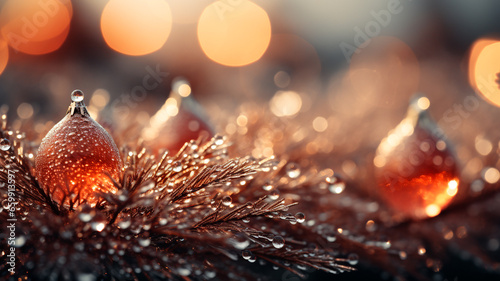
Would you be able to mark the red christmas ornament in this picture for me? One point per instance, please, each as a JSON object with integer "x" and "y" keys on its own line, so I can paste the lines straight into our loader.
{"x": 75, "y": 155}
{"x": 178, "y": 121}
{"x": 416, "y": 169}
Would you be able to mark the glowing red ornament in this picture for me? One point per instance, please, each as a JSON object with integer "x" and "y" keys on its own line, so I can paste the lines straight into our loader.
{"x": 415, "y": 167}
{"x": 178, "y": 121}
{"x": 75, "y": 155}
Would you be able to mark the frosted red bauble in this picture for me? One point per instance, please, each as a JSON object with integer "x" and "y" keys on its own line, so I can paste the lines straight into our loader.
{"x": 75, "y": 155}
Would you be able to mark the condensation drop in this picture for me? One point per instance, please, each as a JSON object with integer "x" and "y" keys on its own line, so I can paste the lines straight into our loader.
{"x": 403, "y": 255}
{"x": 300, "y": 217}
{"x": 336, "y": 188}
{"x": 246, "y": 254}
{"x": 4, "y": 144}
{"x": 278, "y": 242}
{"x": 267, "y": 187}
{"x": 19, "y": 241}
{"x": 144, "y": 242}
{"x": 177, "y": 166}
{"x": 292, "y": 170}
{"x": 274, "y": 195}
{"x": 162, "y": 221}
{"x": 86, "y": 213}
{"x": 77, "y": 96}
{"x": 85, "y": 277}
{"x": 98, "y": 225}
{"x": 226, "y": 201}
{"x": 218, "y": 140}
{"x": 353, "y": 259}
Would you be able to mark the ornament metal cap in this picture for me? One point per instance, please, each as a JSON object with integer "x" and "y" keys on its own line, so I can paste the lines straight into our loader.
{"x": 77, "y": 105}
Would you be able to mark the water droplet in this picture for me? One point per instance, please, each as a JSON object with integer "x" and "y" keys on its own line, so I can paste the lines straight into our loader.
{"x": 87, "y": 213}
{"x": 274, "y": 195}
{"x": 246, "y": 254}
{"x": 4, "y": 144}
{"x": 19, "y": 241}
{"x": 267, "y": 187}
{"x": 252, "y": 258}
{"x": 278, "y": 242}
{"x": 124, "y": 221}
{"x": 292, "y": 170}
{"x": 403, "y": 255}
{"x": 226, "y": 201}
{"x": 218, "y": 140}
{"x": 335, "y": 184}
{"x": 370, "y": 226}
{"x": 98, "y": 225}
{"x": 85, "y": 277}
{"x": 144, "y": 242}
{"x": 300, "y": 217}
{"x": 421, "y": 250}
{"x": 162, "y": 221}
{"x": 77, "y": 96}
{"x": 177, "y": 166}
{"x": 353, "y": 259}
{"x": 331, "y": 237}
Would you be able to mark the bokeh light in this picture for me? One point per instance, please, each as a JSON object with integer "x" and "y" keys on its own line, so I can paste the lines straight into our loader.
{"x": 36, "y": 27}
{"x": 136, "y": 27}
{"x": 484, "y": 69}
{"x": 234, "y": 33}
{"x": 384, "y": 64}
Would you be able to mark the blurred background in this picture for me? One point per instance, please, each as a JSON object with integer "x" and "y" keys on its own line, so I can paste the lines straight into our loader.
{"x": 346, "y": 68}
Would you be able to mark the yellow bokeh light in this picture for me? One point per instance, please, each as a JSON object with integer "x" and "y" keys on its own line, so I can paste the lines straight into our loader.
{"x": 320, "y": 124}
{"x": 285, "y": 103}
{"x": 36, "y": 27}
{"x": 234, "y": 33}
{"x": 136, "y": 27}
{"x": 483, "y": 69}
{"x": 432, "y": 210}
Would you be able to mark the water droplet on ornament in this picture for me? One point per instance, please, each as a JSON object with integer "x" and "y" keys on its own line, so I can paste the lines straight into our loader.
{"x": 352, "y": 259}
{"x": 226, "y": 201}
{"x": 292, "y": 170}
{"x": 370, "y": 226}
{"x": 278, "y": 242}
{"x": 409, "y": 178}
{"x": 4, "y": 144}
{"x": 300, "y": 217}
{"x": 77, "y": 96}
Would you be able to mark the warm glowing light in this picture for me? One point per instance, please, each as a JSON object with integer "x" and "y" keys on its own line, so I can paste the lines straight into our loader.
{"x": 285, "y": 103}
{"x": 25, "y": 110}
{"x": 432, "y": 210}
{"x": 423, "y": 103}
{"x": 36, "y": 27}
{"x": 483, "y": 69}
{"x": 4, "y": 55}
{"x": 483, "y": 146}
{"x": 234, "y": 33}
{"x": 491, "y": 175}
{"x": 320, "y": 124}
{"x": 385, "y": 65}
{"x": 452, "y": 188}
{"x": 136, "y": 27}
